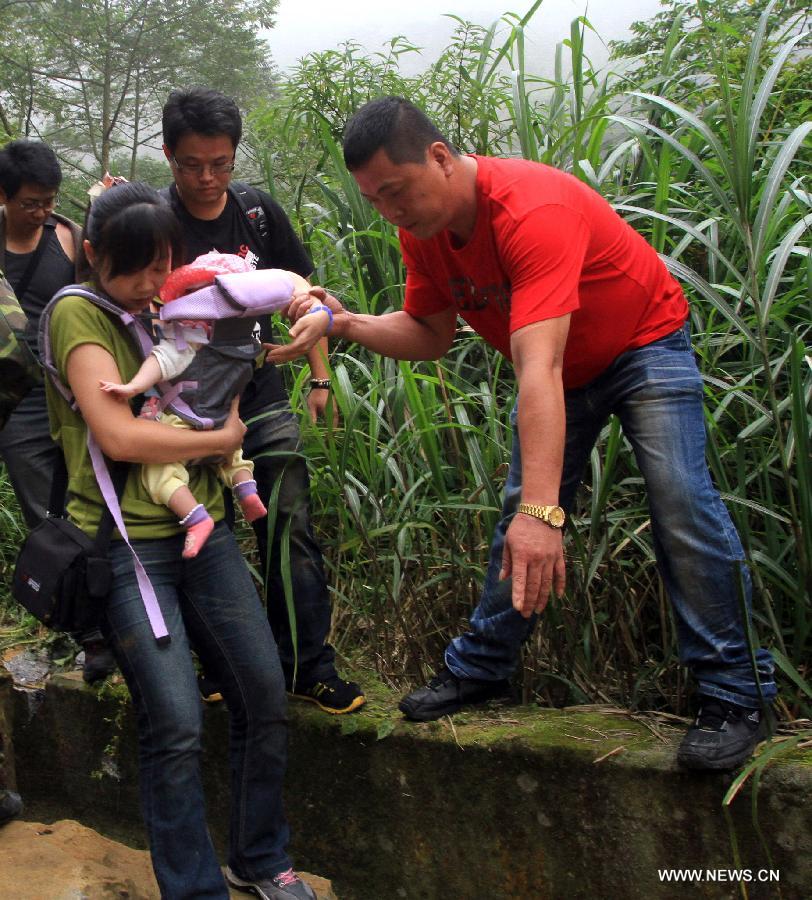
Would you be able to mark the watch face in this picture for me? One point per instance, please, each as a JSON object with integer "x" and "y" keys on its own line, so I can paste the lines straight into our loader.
{"x": 556, "y": 517}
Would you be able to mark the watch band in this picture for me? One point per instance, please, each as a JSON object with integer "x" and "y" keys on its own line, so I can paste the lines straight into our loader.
{"x": 319, "y": 384}
{"x": 553, "y": 516}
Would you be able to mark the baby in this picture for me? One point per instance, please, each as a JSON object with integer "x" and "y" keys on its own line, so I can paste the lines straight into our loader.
{"x": 168, "y": 484}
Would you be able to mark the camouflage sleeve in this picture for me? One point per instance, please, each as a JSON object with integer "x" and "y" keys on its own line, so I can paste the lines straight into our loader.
{"x": 19, "y": 369}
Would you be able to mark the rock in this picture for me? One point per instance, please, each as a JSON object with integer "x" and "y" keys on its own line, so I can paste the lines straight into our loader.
{"x": 66, "y": 861}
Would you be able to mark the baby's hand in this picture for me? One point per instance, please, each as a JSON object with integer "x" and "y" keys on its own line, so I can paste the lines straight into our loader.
{"x": 304, "y": 335}
{"x": 121, "y": 391}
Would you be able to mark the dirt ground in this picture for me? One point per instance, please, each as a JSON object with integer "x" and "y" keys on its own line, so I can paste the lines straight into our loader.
{"x": 66, "y": 861}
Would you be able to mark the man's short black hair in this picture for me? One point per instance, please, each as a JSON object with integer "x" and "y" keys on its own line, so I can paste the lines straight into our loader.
{"x": 200, "y": 110}
{"x": 394, "y": 124}
{"x": 28, "y": 162}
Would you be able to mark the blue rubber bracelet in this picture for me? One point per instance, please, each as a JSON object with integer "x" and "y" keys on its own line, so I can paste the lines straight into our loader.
{"x": 322, "y": 308}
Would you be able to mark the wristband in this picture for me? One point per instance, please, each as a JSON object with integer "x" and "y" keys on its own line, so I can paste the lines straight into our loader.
{"x": 322, "y": 308}
{"x": 319, "y": 384}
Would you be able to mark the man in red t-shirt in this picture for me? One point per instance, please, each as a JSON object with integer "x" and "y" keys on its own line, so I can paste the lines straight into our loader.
{"x": 543, "y": 268}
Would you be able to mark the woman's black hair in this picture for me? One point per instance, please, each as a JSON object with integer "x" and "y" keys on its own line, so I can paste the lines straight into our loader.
{"x": 129, "y": 226}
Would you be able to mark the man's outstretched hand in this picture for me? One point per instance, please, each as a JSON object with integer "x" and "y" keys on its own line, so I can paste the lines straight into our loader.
{"x": 308, "y": 327}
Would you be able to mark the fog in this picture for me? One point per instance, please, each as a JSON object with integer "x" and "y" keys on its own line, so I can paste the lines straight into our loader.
{"x": 303, "y": 26}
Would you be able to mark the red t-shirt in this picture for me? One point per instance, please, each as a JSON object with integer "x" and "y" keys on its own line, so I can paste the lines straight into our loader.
{"x": 544, "y": 245}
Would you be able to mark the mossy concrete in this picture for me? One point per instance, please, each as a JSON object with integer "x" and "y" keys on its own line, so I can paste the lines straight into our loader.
{"x": 512, "y": 802}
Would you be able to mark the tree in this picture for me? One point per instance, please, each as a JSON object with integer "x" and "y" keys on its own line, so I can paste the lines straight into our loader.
{"x": 90, "y": 76}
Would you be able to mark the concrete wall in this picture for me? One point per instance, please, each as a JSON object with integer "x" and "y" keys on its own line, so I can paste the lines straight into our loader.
{"x": 509, "y": 803}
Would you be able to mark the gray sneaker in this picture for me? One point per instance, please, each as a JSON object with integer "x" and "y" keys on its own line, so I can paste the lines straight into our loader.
{"x": 284, "y": 886}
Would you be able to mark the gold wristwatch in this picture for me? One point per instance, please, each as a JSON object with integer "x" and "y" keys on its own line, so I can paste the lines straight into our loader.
{"x": 553, "y": 516}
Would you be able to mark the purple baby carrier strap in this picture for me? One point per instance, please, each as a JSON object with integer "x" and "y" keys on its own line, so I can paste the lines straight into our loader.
{"x": 156, "y": 619}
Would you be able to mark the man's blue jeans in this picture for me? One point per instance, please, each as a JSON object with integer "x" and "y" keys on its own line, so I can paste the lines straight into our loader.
{"x": 656, "y": 392}
{"x": 273, "y": 443}
{"x": 208, "y": 603}
{"x": 30, "y": 455}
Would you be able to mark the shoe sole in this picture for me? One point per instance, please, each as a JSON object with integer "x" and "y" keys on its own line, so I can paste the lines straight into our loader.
{"x": 357, "y": 703}
{"x": 245, "y": 887}
{"x": 234, "y": 881}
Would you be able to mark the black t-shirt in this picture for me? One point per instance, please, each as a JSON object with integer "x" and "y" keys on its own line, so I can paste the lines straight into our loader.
{"x": 54, "y": 271}
{"x": 231, "y": 232}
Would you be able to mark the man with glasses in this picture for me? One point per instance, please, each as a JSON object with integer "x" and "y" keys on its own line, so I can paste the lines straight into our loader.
{"x": 38, "y": 252}
{"x": 201, "y": 131}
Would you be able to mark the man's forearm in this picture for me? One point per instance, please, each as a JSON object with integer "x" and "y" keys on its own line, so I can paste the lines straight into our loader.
{"x": 395, "y": 334}
{"x": 538, "y": 353}
{"x": 542, "y": 430}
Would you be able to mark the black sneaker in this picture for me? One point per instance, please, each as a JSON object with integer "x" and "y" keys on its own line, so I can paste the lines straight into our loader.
{"x": 284, "y": 886}
{"x": 333, "y": 695}
{"x": 10, "y": 806}
{"x": 446, "y": 694}
{"x": 209, "y": 689}
{"x": 99, "y": 661}
{"x": 723, "y": 736}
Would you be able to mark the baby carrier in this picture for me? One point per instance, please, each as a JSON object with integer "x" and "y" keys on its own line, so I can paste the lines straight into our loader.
{"x": 232, "y": 304}
{"x": 201, "y": 395}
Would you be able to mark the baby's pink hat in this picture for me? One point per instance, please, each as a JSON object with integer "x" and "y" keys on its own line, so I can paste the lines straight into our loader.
{"x": 200, "y": 273}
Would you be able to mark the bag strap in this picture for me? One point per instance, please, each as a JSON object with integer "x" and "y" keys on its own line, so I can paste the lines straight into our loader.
{"x": 150, "y": 601}
{"x": 59, "y": 492}
{"x": 59, "y": 488}
{"x": 45, "y": 238}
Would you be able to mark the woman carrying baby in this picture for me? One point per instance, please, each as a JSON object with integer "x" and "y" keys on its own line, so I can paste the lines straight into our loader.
{"x": 208, "y": 602}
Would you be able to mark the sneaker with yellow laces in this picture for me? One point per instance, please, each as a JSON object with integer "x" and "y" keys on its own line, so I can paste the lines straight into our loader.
{"x": 332, "y": 694}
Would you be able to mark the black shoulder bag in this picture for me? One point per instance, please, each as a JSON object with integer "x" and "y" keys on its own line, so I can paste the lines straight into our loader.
{"x": 62, "y": 576}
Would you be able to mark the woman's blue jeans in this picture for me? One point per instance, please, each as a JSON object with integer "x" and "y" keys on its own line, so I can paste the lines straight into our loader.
{"x": 208, "y": 603}
{"x": 656, "y": 392}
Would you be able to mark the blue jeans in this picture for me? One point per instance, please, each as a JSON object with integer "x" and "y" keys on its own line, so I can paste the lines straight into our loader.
{"x": 273, "y": 444}
{"x": 656, "y": 392}
{"x": 30, "y": 455}
{"x": 208, "y": 603}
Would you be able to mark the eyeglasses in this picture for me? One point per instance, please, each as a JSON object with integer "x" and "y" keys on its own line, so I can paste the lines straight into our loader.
{"x": 220, "y": 168}
{"x": 31, "y": 205}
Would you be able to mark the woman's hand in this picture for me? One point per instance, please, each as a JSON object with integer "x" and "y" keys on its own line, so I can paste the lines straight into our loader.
{"x": 233, "y": 430}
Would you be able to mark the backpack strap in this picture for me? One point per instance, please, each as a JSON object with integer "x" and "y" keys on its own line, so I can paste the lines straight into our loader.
{"x": 76, "y": 235}
{"x": 249, "y": 201}
{"x": 48, "y": 234}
